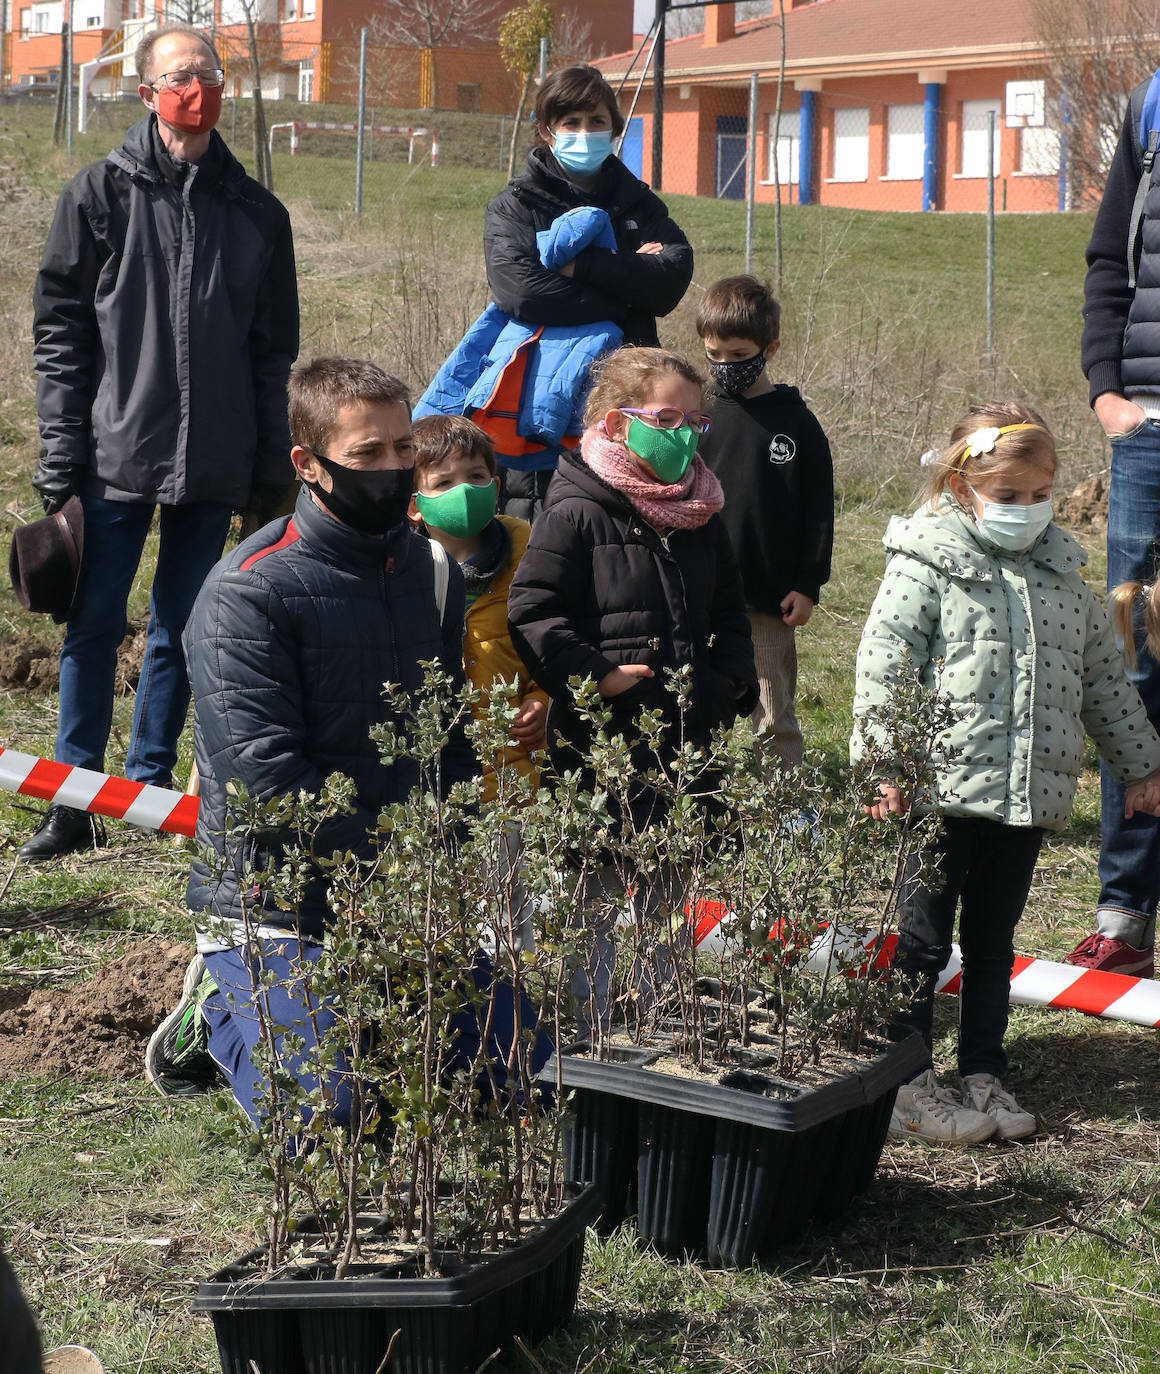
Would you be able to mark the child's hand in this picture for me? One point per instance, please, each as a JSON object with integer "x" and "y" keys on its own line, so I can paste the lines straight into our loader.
{"x": 622, "y": 678}
{"x": 530, "y": 727}
{"x": 891, "y": 800}
{"x": 1143, "y": 796}
{"x": 796, "y": 608}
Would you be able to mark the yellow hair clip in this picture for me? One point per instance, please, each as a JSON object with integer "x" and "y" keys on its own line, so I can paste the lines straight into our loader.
{"x": 984, "y": 440}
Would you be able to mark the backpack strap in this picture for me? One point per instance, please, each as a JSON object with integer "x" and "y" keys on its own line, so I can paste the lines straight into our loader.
{"x": 440, "y": 566}
{"x": 1149, "y": 134}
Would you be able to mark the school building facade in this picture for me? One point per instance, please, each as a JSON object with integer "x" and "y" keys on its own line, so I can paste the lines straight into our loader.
{"x": 308, "y": 49}
{"x": 885, "y": 105}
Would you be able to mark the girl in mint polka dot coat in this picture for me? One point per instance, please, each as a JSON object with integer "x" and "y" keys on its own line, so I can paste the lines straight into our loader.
{"x": 983, "y": 595}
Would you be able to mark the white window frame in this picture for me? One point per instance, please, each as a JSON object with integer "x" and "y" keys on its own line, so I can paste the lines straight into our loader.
{"x": 305, "y": 83}
{"x": 905, "y": 142}
{"x": 851, "y": 143}
{"x": 973, "y": 136}
{"x": 788, "y": 150}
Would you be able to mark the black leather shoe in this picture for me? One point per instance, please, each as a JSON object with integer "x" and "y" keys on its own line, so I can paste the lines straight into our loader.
{"x": 65, "y": 830}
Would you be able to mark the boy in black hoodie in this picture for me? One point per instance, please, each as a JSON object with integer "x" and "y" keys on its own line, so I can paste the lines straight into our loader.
{"x": 773, "y": 461}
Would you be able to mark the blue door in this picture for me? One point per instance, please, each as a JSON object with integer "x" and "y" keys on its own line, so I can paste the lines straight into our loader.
{"x": 732, "y": 138}
{"x": 632, "y": 149}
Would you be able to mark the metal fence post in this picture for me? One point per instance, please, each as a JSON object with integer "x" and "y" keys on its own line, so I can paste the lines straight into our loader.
{"x": 362, "y": 113}
{"x": 751, "y": 171}
{"x": 990, "y": 303}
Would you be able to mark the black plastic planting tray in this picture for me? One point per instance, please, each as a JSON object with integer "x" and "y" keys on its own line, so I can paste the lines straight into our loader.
{"x": 313, "y": 1324}
{"x": 731, "y": 1169}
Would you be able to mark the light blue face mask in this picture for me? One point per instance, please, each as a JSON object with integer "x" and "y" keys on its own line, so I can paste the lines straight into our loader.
{"x": 581, "y": 152}
{"x": 1012, "y": 528}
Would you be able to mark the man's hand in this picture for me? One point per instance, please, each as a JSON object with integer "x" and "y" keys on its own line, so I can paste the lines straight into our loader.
{"x": 1116, "y": 414}
{"x": 56, "y": 486}
{"x": 530, "y": 727}
{"x": 796, "y": 608}
{"x": 1143, "y": 796}
{"x": 891, "y": 801}
{"x": 651, "y": 248}
{"x": 622, "y": 678}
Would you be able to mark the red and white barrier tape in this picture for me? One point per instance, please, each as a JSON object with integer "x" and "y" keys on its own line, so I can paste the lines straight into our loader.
{"x": 1034, "y": 982}
{"x": 139, "y": 803}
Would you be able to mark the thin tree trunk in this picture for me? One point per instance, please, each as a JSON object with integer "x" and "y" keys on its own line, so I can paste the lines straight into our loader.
{"x": 777, "y": 262}
{"x": 519, "y": 121}
{"x": 263, "y": 172}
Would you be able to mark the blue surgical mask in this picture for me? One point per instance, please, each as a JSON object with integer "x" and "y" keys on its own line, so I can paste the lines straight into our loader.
{"x": 582, "y": 152}
{"x": 1012, "y": 528}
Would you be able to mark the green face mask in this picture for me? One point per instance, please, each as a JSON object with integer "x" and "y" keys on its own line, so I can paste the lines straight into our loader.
{"x": 667, "y": 451}
{"x": 461, "y": 511}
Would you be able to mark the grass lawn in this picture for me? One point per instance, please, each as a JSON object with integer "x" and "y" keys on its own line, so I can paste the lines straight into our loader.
{"x": 1041, "y": 1255}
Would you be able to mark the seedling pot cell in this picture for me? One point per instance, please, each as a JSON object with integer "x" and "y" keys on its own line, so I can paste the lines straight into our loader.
{"x": 311, "y": 1323}
{"x": 729, "y": 1169}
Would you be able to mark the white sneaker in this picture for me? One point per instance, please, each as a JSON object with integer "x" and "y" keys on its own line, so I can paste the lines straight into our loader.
{"x": 984, "y": 1092}
{"x": 924, "y": 1111}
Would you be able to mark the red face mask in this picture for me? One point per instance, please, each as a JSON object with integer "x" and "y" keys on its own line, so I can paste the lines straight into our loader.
{"x": 194, "y": 110}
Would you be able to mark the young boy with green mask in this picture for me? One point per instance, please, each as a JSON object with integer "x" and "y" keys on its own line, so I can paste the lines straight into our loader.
{"x": 455, "y": 503}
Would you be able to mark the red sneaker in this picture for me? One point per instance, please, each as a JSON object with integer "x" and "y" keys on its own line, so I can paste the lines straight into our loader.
{"x": 1113, "y": 956}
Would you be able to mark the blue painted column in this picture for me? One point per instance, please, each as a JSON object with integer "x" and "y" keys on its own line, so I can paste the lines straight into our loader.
{"x": 1064, "y": 125}
{"x": 806, "y": 148}
{"x": 930, "y": 146}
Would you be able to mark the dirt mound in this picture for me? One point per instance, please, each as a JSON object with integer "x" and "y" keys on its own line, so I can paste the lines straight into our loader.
{"x": 93, "y": 1029}
{"x": 28, "y": 661}
{"x": 1087, "y": 505}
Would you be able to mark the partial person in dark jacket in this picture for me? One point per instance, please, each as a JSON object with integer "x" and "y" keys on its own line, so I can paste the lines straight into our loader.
{"x": 289, "y": 644}
{"x": 1120, "y": 353}
{"x": 773, "y": 461}
{"x": 577, "y": 118}
{"x": 629, "y": 573}
{"x": 165, "y": 324}
{"x": 21, "y": 1337}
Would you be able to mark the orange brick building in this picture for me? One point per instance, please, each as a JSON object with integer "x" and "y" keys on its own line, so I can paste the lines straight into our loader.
{"x": 308, "y": 49}
{"x": 886, "y": 105}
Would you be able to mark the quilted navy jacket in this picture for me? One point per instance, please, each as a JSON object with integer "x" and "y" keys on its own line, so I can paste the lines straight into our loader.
{"x": 289, "y": 644}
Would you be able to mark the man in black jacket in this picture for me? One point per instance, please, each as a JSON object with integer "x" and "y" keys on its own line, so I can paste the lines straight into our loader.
{"x": 289, "y": 644}
{"x": 166, "y": 321}
{"x": 1121, "y": 360}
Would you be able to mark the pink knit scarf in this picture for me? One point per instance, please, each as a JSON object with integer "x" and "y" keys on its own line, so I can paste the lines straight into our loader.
{"x": 684, "y": 505}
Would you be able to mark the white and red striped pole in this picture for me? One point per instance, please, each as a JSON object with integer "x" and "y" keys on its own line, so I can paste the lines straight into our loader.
{"x": 1034, "y": 982}
{"x": 139, "y": 803}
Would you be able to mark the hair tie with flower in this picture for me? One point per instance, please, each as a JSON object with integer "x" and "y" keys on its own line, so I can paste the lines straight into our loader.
{"x": 983, "y": 440}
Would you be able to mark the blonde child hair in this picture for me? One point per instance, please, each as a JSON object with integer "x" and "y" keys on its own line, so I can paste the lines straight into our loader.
{"x": 990, "y": 440}
{"x": 627, "y": 376}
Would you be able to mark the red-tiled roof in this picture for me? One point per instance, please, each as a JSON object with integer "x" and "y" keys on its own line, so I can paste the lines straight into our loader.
{"x": 861, "y": 35}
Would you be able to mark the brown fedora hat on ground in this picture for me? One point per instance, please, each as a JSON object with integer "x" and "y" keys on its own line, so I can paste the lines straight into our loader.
{"x": 45, "y": 561}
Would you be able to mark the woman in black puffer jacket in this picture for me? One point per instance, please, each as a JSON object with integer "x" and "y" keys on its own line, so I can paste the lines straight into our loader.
{"x": 577, "y": 118}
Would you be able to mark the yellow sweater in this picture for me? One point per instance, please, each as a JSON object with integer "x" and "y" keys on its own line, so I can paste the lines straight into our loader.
{"x": 488, "y": 652}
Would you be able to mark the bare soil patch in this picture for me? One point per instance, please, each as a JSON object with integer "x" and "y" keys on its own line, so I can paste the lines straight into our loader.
{"x": 94, "y": 1029}
{"x": 1085, "y": 507}
{"x": 29, "y": 661}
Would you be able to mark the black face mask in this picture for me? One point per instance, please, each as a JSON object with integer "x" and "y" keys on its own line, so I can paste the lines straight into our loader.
{"x": 734, "y": 378}
{"x": 373, "y": 501}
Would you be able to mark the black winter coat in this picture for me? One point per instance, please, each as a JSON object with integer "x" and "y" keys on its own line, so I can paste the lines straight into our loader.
{"x": 627, "y": 287}
{"x": 166, "y": 320}
{"x": 290, "y": 642}
{"x": 598, "y": 587}
{"x": 1120, "y": 349}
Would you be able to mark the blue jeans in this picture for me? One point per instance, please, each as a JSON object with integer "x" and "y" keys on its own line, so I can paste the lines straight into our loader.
{"x": 235, "y": 1029}
{"x": 192, "y": 539}
{"x": 1130, "y": 850}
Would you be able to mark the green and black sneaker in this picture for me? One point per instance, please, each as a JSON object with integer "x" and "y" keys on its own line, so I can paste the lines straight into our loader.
{"x": 177, "y": 1060}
